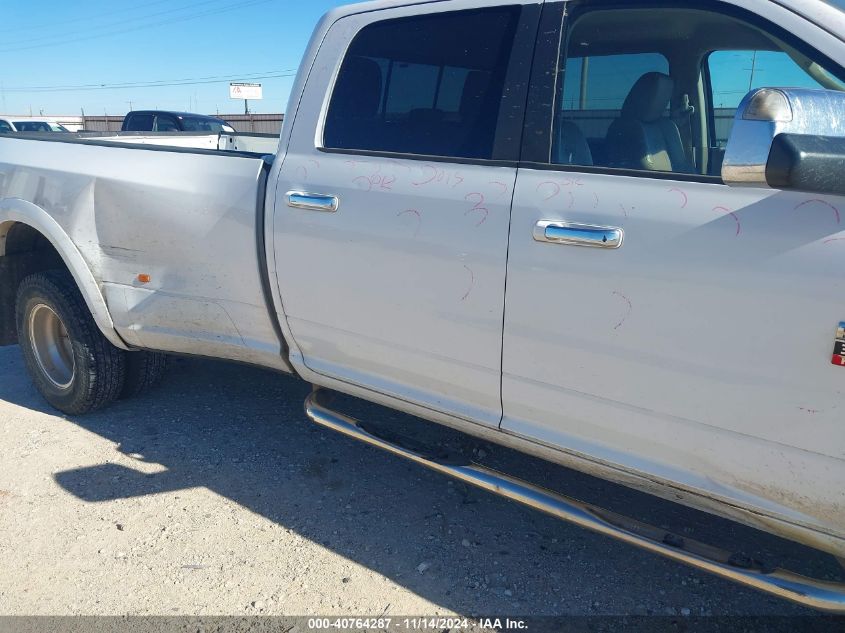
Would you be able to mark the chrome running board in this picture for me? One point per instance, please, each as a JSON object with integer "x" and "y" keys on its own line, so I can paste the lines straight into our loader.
{"x": 810, "y": 592}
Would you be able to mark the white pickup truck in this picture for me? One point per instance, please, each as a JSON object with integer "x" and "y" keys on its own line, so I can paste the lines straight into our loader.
{"x": 605, "y": 234}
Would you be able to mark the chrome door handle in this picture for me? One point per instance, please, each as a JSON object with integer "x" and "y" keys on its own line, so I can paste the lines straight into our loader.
{"x": 578, "y": 234}
{"x": 312, "y": 201}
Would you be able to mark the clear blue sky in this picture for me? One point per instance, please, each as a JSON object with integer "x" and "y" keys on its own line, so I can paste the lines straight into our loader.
{"x": 56, "y": 43}
{"x": 60, "y": 56}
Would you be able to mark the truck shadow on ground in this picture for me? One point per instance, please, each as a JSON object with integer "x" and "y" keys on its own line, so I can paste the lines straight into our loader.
{"x": 242, "y": 433}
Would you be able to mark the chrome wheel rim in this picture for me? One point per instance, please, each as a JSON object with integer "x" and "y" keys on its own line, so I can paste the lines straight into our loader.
{"x": 51, "y": 346}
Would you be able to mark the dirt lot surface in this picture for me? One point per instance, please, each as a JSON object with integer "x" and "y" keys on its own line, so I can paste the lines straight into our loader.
{"x": 215, "y": 495}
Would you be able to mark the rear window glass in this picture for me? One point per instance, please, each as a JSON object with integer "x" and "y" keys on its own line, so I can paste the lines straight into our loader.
{"x": 428, "y": 85}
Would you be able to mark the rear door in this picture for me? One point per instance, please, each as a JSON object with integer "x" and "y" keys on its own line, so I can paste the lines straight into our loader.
{"x": 391, "y": 231}
{"x": 692, "y": 340}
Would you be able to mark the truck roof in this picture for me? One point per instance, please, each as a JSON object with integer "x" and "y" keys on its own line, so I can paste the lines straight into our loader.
{"x": 176, "y": 113}
{"x": 372, "y": 5}
{"x": 375, "y": 5}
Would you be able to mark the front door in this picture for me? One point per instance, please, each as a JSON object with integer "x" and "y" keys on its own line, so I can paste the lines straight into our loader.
{"x": 685, "y": 331}
{"x": 391, "y": 254}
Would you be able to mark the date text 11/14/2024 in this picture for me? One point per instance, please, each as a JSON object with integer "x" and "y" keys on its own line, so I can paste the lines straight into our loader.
{"x": 416, "y": 623}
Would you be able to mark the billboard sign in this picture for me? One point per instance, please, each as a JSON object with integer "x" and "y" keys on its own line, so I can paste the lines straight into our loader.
{"x": 245, "y": 91}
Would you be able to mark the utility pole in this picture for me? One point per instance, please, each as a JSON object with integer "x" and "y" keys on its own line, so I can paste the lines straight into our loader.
{"x": 585, "y": 73}
{"x": 753, "y": 68}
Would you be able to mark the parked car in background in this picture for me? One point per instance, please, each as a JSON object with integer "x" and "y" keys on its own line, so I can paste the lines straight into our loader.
{"x": 164, "y": 121}
{"x": 30, "y": 124}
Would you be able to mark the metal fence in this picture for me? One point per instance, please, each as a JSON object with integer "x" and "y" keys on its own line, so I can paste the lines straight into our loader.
{"x": 254, "y": 123}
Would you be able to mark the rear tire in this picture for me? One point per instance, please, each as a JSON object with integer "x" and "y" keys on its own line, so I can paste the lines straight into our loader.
{"x": 72, "y": 364}
{"x": 144, "y": 370}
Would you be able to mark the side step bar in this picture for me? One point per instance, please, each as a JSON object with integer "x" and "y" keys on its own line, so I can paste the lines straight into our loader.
{"x": 810, "y": 592}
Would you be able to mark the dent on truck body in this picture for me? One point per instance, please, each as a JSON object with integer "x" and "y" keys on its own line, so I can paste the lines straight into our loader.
{"x": 187, "y": 222}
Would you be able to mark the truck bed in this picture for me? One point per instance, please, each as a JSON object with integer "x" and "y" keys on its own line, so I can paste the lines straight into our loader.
{"x": 190, "y": 218}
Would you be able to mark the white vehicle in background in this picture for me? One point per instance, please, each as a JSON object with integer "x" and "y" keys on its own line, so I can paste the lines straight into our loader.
{"x": 530, "y": 221}
{"x": 30, "y": 124}
{"x": 226, "y": 139}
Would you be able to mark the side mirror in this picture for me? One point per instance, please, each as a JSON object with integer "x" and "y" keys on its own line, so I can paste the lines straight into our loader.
{"x": 788, "y": 138}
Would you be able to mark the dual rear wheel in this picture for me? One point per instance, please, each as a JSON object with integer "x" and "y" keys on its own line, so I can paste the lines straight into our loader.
{"x": 72, "y": 364}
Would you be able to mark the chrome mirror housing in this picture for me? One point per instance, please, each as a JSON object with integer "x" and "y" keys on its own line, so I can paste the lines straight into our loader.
{"x": 802, "y": 116}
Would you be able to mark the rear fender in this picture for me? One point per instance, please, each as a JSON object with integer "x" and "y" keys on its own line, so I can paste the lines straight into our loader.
{"x": 17, "y": 210}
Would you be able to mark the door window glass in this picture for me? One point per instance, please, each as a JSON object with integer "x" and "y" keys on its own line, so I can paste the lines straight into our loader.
{"x": 430, "y": 84}
{"x": 734, "y": 73}
{"x": 602, "y": 82}
{"x": 632, "y": 78}
{"x": 140, "y": 123}
{"x": 594, "y": 90}
{"x": 166, "y": 123}
{"x": 199, "y": 124}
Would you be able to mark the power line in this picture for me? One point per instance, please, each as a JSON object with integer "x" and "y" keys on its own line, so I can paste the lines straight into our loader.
{"x": 137, "y": 20}
{"x": 85, "y": 18}
{"x": 153, "y": 82}
{"x": 240, "y": 5}
{"x": 156, "y": 84}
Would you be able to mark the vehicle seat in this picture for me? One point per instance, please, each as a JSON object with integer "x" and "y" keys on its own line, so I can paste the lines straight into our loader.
{"x": 643, "y": 137}
{"x": 571, "y": 147}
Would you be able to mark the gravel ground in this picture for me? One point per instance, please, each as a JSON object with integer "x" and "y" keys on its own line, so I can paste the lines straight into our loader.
{"x": 215, "y": 495}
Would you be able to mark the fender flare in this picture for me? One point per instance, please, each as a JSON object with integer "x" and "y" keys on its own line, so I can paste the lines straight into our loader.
{"x": 17, "y": 210}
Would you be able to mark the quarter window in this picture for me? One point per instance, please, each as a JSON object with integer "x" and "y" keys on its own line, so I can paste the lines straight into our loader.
{"x": 428, "y": 85}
